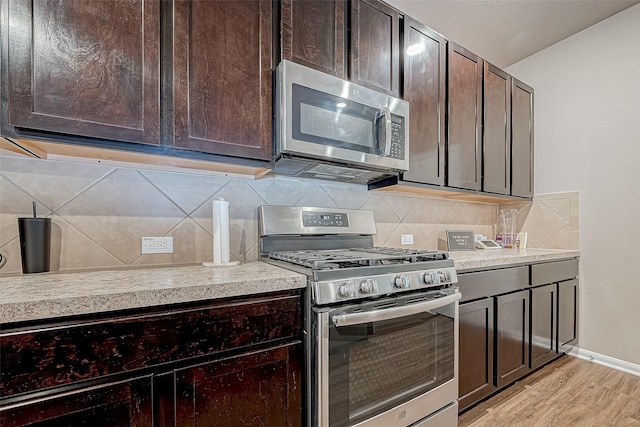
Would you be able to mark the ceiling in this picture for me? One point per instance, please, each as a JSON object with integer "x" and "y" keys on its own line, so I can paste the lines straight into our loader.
{"x": 506, "y": 31}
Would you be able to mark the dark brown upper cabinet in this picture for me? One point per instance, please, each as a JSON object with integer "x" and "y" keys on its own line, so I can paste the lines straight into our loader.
{"x": 374, "y": 59}
{"x": 425, "y": 89}
{"x": 521, "y": 139}
{"x": 88, "y": 68}
{"x": 313, "y": 34}
{"x": 222, "y": 76}
{"x": 496, "y": 138}
{"x": 464, "y": 145}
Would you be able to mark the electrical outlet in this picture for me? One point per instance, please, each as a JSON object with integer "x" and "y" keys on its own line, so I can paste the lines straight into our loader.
{"x": 406, "y": 239}
{"x": 157, "y": 245}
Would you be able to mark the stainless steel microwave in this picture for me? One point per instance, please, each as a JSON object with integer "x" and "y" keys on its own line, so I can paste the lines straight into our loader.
{"x": 329, "y": 128}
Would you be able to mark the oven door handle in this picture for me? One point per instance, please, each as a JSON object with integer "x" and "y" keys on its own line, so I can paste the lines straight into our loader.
{"x": 393, "y": 313}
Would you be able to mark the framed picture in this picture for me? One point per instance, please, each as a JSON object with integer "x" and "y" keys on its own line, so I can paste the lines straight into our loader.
{"x": 461, "y": 240}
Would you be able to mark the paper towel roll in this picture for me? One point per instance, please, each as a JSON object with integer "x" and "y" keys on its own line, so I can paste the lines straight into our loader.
{"x": 221, "y": 254}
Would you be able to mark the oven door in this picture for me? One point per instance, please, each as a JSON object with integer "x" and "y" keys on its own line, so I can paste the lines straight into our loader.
{"x": 386, "y": 363}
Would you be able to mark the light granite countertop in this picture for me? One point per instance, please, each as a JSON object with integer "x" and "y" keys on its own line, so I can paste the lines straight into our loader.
{"x": 488, "y": 258}
{"x": 50, "y": 295}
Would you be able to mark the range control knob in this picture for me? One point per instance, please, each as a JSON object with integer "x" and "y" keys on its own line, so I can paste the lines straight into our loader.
{"x": 347, "y": 290}
{"x": 435, "y": 278}
{"x": 427, "y": 278}
{"x": 445, "y": 276}
{"x": 369, "y": 286}
{"x": 402, "y": 281}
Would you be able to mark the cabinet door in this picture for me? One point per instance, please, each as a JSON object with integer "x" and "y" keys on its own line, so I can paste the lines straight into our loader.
{"x": 261, "y": 388}
{"x": 85, "y": 67}
{"x": 464, "y": 155}
{"x": 313, "y": 34}
{"x": 544, "y": 317}
{"x": 375, "y": 46}
{"x": 512, "y": 337}
{"x": 567, "y": 315}
{"x": 521, "y": 139}
{"x": 424, "y": 88}
{"x": 222, "y": 75}
{"x": 126, "y": 403}
{"x": 476, "y": 352}
{"x": 496, "y": 138}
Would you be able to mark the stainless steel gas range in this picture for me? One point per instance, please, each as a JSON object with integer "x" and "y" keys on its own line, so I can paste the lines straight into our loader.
{"x": 381, "y": 324}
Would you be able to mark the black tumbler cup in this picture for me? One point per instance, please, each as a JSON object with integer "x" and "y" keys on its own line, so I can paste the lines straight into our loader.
{"x": 35, "y": 244}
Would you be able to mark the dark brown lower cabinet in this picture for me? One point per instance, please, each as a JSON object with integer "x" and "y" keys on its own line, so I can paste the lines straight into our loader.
{"x": 217, "y": 363}
{"x": 261, "y": 388}
{"x": 567, "y": 315}
{"x": 544, "y": 318}
{"x": 126, "y": 403}
{"x": 476, "y": 352}
{"x": 512, "y": 337}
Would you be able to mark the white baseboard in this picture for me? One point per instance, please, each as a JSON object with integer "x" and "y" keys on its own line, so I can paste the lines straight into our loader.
{"x": 601, "y": 359}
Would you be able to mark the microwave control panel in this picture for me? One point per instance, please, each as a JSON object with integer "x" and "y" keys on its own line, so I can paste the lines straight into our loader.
{"x": 397, "y": 137}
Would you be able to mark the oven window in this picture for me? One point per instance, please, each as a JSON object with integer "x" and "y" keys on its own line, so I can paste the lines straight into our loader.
{"x": 376, "y": 366}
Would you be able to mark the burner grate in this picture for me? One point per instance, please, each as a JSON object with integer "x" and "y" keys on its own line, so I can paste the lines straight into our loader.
{"x": 355, "y": 258}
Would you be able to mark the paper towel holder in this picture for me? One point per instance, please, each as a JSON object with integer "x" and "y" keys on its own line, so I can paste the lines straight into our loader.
{"x": 221, "y": 236}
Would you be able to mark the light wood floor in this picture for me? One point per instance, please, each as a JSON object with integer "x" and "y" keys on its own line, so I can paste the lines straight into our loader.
{"x": 567, "y": 392}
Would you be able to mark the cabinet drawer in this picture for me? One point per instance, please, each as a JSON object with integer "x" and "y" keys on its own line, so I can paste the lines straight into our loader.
{"x": 55, "y": 354}
{"x": 550, "y": 272}
{"x": 492, "y": 282}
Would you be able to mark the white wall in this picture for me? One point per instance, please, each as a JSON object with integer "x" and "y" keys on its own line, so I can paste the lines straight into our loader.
{"x": 587, "y": 135}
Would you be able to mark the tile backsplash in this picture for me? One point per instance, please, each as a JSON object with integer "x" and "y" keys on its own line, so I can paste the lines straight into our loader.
{"x": 100, "y": 213}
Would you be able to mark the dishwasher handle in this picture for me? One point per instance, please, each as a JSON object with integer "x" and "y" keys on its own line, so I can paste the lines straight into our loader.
{"x": 393, "y": 313}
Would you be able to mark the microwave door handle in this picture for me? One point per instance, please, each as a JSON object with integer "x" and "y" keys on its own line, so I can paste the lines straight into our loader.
{"x": 383, "y": 116}
{"x": 387, "y": 131}
{"x": 393, "y": 313}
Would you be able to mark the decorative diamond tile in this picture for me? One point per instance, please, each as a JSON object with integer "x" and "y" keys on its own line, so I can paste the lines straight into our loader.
{"x": 188, "y": 191}
{"x": 394, "y": 240}
{"x": 541, "y": 224}
{"x": 15, "y": 203}
{"x": 70, "y": 249}
{"x": 401, "y": 205}
{"x": 420, "y": 213}
{"x": 562, "y": 207}
{"x": 440, "y": 210}
{"x": 472, "y": 213}
{"x": 425, "y": 236}
{"x": 383, "y": 232}
{"x": 119, "y": 210}
{"x": 276, "y": 190}
{"x": 51, "y": 182}
{"x": 563, "y": 239}
{"x": 348, "y": 196}
{"x": 382, "y": 212}
{"x": 317, "y": 197}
